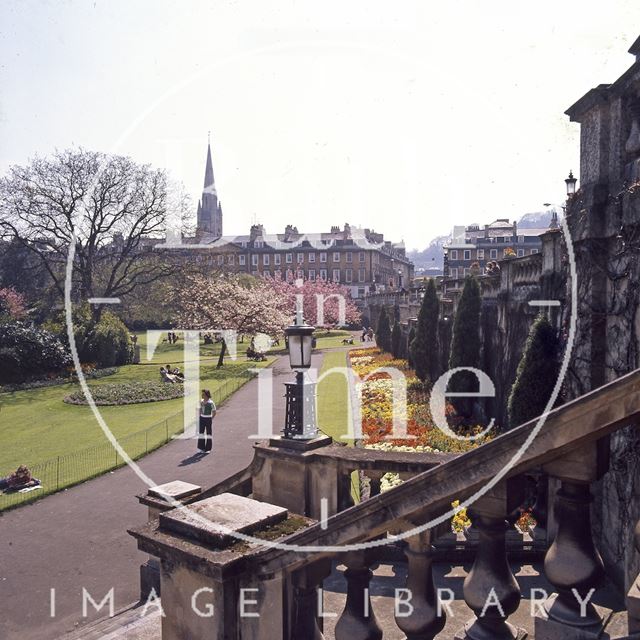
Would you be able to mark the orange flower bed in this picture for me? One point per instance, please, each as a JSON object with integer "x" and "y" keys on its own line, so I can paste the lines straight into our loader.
{"x": 376, "y": 395}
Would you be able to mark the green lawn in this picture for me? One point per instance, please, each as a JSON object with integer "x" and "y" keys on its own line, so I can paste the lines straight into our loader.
{"x": 64, "y": 444}
{"x": 334, "y": 412}
{"x": 36, "y": 424}
{"x": 334, "y": 407}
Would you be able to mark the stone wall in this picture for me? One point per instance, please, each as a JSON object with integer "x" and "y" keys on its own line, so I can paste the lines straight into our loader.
{"x": 604, "y": 218}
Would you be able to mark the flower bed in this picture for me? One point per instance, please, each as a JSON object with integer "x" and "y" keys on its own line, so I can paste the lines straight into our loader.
{"x": 129, "y": 393}
{"x": 376, "y": 396}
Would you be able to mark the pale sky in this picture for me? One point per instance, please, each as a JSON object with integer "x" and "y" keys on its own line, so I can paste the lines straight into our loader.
{"x": 406, "y": 117}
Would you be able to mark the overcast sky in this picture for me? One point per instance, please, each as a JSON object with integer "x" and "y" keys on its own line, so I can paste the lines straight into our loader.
{"x": 406, "y": 117}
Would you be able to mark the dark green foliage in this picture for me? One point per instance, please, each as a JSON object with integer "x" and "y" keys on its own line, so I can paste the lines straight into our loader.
{"x": 108, "y": 343}
{"x": 537, "y": 374}
{"x": 410, "y": 339}
{"x": 383, "y": 334}
{"x": 28, "y": 352}
{"x": 424, "y": 348}
{"x": 396, "y": 341}
{"x": 465, "y": 346}
{"x": 105, "y": 343}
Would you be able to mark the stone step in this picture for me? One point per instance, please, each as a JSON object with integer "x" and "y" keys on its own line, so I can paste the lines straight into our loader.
{"x": 126, "y": 624}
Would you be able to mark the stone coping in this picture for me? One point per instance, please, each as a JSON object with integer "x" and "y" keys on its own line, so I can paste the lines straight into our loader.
{"x": 213, "y": 521}
{"x": 217, "y": 563}
{"x": 176, "y": 489}
{"x": 361, "y": 458}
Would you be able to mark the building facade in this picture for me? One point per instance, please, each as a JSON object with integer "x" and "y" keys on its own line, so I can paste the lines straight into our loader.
{"x": 473, "y": 247}
{"x": 360, "y": 259}
{"x": 357, "y": 258}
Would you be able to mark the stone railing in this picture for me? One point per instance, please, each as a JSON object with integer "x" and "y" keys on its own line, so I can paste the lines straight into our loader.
{"x": 526, "y": 270}
{"x": 285, "y": 578}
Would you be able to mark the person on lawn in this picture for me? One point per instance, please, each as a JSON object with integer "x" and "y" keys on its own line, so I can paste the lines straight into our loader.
{"x": 207, "y": 413}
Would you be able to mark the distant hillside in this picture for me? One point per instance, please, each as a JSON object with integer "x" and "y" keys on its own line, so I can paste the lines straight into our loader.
{"x": 538, "y": 219}
{"x": 433, "y": 256}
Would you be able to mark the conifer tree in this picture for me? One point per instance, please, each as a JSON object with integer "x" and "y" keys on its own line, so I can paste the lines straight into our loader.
{"x": 465, "y": 346}
{"x": 424, "y": 348}
{"x": 537, "y": 374}
{"x": 410, "y": 339}
{"x": 383, "y": 334}
{"x": 396, "y": 340}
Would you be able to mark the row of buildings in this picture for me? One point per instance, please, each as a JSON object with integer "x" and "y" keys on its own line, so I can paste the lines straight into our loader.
{"x": 358, "y": 258}
{"x": 473, "y": 247}
{"x": 361, "y": 259}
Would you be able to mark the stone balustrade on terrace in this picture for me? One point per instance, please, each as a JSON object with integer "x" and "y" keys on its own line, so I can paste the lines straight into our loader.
{"x": 311, "y": 483}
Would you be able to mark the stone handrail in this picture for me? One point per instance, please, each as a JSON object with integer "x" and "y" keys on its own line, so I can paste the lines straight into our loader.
{"x": 362, "y": 459}
{"x": 566, "y": 448}
{"x": 566, "y": 429}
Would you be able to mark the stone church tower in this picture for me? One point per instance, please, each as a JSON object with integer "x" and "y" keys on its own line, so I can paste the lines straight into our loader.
{"x": 209, "y": 207}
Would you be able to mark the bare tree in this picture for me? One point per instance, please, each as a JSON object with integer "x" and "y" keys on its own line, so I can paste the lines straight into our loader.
{"x": 114, "y": 211}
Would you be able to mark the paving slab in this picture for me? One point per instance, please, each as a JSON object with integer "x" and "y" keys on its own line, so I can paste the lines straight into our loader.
{"x": 213, "y": 521}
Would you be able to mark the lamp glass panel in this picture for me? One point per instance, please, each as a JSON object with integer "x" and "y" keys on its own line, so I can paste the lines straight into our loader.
{"x": 295, "y": 351}
{"x": 307, "y": 341}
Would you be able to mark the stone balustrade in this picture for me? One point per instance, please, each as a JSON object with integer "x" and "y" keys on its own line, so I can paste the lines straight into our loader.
{"x": 284, "y": 583}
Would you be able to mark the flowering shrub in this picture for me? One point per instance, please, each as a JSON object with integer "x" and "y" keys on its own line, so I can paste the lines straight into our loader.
{"x": 460, "y": 521}
{"x": 12, "y": 304}
{"x": 129, "y": 393}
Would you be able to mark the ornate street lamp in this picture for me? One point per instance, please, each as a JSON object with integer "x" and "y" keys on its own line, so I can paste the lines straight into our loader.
{"x": 300, "y": 422}
{"x": 571, "y": 184}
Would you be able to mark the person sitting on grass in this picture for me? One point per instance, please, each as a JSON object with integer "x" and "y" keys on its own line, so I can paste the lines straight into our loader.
{"x": 21, "y": 478}
{"x": 166, "y": 376}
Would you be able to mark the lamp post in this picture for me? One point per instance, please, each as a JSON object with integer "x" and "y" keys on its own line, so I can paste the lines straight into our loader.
{"x": 571, "y": 184}
{"x": 300, "y": 421}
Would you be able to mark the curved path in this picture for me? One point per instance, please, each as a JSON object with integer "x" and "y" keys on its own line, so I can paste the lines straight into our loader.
{"x": 77, "y": 538}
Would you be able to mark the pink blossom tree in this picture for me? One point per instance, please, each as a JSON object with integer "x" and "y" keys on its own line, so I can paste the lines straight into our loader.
{"x": 227, "y": 303}
{"x": 12, "y": 304}
{"x": 321, "y": 300}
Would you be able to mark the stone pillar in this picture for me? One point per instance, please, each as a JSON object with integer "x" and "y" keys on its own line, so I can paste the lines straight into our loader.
{"x": 490, "y": 588}
{"x": 204, "y": 570}
{"x": 572, "y": 563}
{"x": 289, "y": 474}
{"x": 157, "y": 501}
{"x": 358, "y": 621}
{"x": 423, "y": 623}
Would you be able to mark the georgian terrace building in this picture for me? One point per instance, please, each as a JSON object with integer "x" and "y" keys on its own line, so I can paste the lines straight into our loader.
{"x": 358, "y": 258}
{"x": 494, "y": 241}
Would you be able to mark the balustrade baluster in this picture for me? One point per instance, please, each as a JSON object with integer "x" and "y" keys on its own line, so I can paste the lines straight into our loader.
{"x": 375, "y": 480}
{"x": 423, "y": 623}
{"x": 305, "y": 601}
{"x": 358, "y": 621}
{"x": 572, "y": 563}
{"x": 490, "y": 589}
{"x": 633, "y": 595}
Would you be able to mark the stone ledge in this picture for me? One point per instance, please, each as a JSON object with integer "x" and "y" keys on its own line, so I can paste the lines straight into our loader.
{"x": 213, "y": 521}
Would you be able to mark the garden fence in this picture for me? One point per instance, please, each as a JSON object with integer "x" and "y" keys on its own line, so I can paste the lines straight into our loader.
{"x": 65, "y": 471}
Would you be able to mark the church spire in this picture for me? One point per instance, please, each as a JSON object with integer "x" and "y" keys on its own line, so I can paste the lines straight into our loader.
{"x": 209, "y": 182}
{"x": 209, "y": 211}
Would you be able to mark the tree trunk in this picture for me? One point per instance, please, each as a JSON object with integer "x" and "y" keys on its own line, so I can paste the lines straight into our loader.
{"x": 223, "y": 350}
